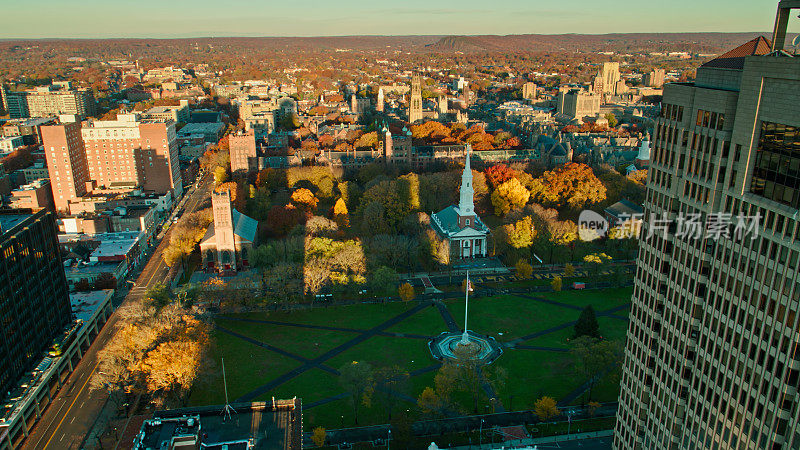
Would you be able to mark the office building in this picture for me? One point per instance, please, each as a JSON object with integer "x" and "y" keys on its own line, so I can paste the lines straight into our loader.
{"x": 34, "y": 298}
{"x": 578, "y": 104}
{"x": 712, "y": 359}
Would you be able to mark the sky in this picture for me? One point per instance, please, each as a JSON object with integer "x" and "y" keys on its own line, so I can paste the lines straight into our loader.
{"x": 200, "y": 18}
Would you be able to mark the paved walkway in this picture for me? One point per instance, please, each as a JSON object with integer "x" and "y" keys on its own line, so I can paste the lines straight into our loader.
{"x": 317, "y": 362}
{"x": 362, "y": 335}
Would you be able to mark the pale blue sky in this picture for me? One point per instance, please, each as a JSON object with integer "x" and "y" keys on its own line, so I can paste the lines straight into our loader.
{"x": 193, "y": 18}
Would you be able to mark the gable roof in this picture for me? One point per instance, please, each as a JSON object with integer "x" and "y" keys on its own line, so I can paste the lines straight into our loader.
{"x": 734, "y": 59}
{"x": 445, "y": 222}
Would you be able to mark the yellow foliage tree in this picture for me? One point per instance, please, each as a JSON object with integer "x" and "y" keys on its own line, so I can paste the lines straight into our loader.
{"x": 318, "y": 436}
{"x": 304, "y": 199}
{"x": 406, "y": 292}
{"x": 340, "y": 213}
{"x": 556, "y": 284}
{"x": 524, "y": 270}
{"x": 569, "y": 270}
{"x": 546, "y": 408}
{"x": 509, "y": 195}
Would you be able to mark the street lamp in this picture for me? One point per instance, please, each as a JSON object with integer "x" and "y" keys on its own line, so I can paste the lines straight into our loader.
{"x": 480, "y": 435}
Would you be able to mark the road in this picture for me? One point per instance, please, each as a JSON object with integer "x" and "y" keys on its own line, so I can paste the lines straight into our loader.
{"x": 71, "y": 415}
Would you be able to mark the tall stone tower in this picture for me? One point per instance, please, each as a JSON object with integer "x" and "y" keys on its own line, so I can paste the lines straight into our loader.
{"x": 223, "y": 229}
{"x": 388, "y": 148}
{"x": 466, "y": 203}
{"x": 443, "y": 106}
{"x": 465, "y": 94}
{"x": 415, "y": 107}
{"x": 379, "y": 102}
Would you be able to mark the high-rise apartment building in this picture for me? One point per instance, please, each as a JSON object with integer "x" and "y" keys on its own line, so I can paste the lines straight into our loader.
{"x": 122, "y": 153}
{"x": 47, "y": 101}
{"x": 66, "y": 163}
{"x": 34, "y": 296}
{"x": 415, "y": 106}
{"x": 712, "y": 357}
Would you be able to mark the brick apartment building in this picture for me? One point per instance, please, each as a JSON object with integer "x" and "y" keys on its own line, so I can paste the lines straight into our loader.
{"x": 126, "y": 152}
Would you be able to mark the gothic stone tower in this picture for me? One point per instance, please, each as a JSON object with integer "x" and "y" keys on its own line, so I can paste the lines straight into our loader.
{"x": 415, "y": 107}
{"x": 379, "y": 102}
{"x": 223, "y": 230}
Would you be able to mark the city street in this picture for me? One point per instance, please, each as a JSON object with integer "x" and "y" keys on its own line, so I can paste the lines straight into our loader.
{"x": 69, "y": 419}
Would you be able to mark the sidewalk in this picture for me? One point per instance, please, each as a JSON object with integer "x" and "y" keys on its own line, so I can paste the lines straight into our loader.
{"x": 523, "y": 443}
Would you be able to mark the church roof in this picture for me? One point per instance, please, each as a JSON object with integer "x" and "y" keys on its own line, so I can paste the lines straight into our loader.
{"x": 243, "y": 226}
{"x": 734, "y": 59}
{"x": 445, "y": 222}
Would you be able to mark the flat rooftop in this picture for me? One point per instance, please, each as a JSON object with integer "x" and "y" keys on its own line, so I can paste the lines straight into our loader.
{"x": 9, "y": 221}
{"x": 264, "y": 425}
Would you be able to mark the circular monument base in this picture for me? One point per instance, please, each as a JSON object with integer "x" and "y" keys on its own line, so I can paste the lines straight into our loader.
{"x": 483, "y": 349}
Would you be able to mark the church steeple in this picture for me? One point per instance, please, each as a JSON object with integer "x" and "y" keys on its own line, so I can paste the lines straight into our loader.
{"x": 466, "y": 204}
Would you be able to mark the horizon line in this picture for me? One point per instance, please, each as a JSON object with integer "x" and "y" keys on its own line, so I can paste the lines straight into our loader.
{"x": 73, "y": 38}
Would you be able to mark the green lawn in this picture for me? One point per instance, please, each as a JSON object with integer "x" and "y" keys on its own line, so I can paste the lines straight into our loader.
{"x": 247, "y": 366}
{"x": 600, "y": 300}
{"x": 308, "y": 343}
{"x": 510, "y": 315}
{"x": 381, "y": 351}
{"x": 427, "y": 322}
{"x": 531, "y": 373}
{"x": 360, "y": 316}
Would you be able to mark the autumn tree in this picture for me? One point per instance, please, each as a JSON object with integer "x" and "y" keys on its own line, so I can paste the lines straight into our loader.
{"x": 499, "y": 174}
{"x": 572, "y": 184}
{"x": 389, "y": 383}
{"x": 357, "y": 378}
{"x": 556, "y": 283}
{"x": 569, "y": 270}
{"x": 318, "y": 436}
{"x": 509, "y": 195}
{"x": 521, "y": 233}
{"x": 546, "y": 408}
{"x": 524, "y": 270}
{"x": 220, "y": 175}
{"x": 304, "y": 199}
{"x": 340, "y": 213}
{"x": 406, "y": 292}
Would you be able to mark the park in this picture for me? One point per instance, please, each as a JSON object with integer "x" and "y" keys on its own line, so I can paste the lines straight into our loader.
{"x": 300, "y": 353}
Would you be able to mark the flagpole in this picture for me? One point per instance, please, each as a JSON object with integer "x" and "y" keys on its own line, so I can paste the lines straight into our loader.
{"x": 465, "y": 336}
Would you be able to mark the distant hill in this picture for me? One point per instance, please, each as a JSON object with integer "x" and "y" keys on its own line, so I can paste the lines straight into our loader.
{"x": 618, "y": 42}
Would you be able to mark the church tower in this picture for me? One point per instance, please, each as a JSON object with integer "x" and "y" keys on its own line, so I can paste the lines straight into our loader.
{"x": 223, "y": 229}
{"x": 466, "y": 202}
{"x": 415, "y": 106}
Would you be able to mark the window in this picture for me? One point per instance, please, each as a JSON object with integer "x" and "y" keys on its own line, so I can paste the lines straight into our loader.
{"x": 776, "y": 174}
{"x": 466, "y": 222}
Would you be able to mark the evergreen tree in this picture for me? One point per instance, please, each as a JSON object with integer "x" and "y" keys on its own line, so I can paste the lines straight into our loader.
{"x": 587, "y": 323}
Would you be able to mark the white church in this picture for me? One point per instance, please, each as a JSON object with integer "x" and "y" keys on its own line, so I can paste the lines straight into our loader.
{"x": 459, "y": 225}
